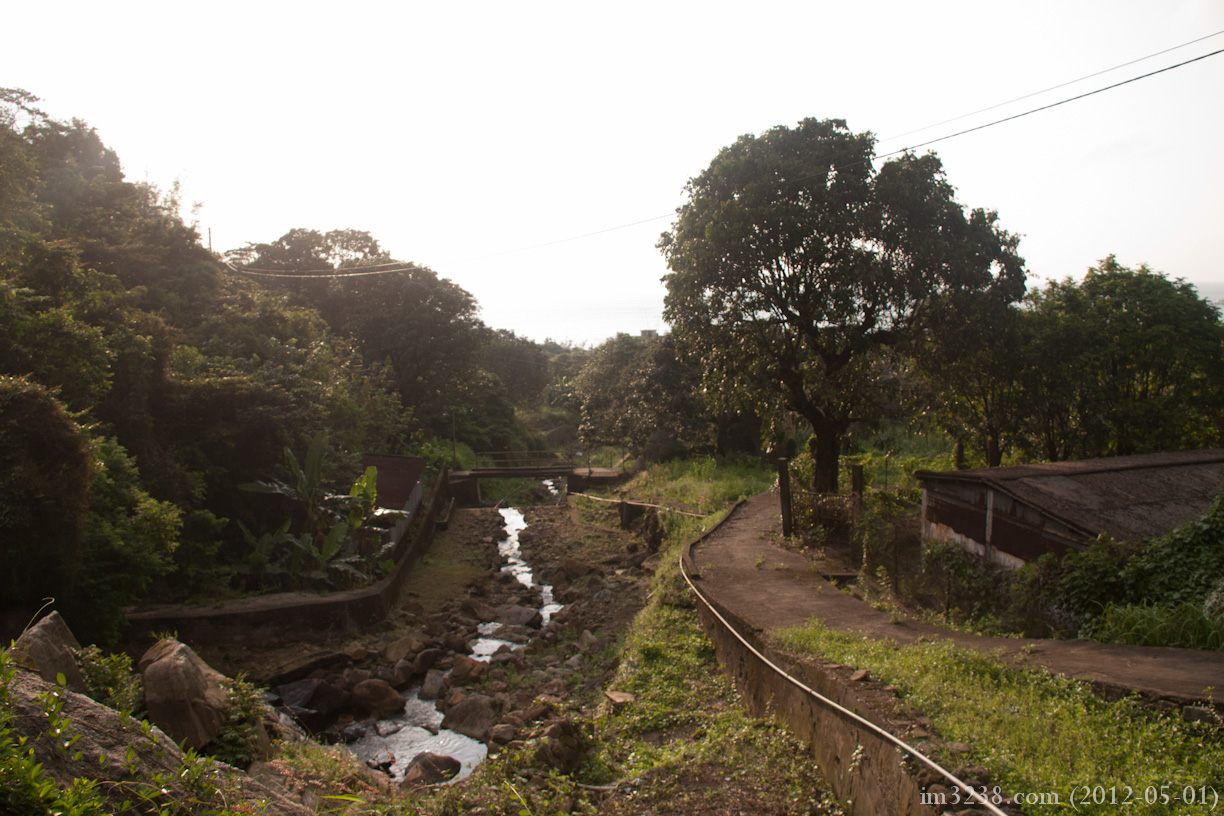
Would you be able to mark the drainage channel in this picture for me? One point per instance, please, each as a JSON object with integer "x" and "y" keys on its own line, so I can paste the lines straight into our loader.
{"x": 393, "y": 743}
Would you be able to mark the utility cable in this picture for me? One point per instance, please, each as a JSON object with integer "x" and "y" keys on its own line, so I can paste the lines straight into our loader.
{"x": 1051, "y": 105}
{"x": 875, "y": 729}
{"x": 1051, "y": 88}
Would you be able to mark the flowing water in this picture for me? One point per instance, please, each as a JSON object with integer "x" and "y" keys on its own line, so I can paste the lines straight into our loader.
{"x": 393, "y": 743}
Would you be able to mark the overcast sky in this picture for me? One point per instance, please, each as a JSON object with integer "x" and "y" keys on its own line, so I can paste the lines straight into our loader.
{"x": 533, "y": 152}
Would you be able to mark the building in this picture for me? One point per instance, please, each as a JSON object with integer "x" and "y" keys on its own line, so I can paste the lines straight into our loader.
{"x": 1017, "y": 514}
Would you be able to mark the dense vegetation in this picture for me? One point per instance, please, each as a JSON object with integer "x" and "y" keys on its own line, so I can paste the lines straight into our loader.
{"x": 143, "y": 380}
{"x": 816, "y": 303}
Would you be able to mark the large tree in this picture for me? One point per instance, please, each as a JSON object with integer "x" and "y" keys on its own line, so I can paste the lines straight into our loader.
{"x": 794, "y": 262}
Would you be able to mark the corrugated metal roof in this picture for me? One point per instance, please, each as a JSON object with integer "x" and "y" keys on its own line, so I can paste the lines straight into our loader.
{"x": 397, "y": 477}
{"x": 1129, "y": 497}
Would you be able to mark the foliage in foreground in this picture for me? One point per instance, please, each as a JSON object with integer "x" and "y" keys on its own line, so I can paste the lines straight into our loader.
{"x": 1034, "y": 730}
{"x": 30, "y": 790}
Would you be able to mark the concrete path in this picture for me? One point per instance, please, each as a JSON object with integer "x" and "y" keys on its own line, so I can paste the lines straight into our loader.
{"x": 773, "y": 588}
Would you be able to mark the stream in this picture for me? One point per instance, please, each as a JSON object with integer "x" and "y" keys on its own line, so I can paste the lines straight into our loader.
{"x": 393, "y": 743}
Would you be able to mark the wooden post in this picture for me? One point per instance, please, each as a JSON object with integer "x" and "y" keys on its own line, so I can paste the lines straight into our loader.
{"x": 784, "y": 489}
{"x": 856, "y": 493}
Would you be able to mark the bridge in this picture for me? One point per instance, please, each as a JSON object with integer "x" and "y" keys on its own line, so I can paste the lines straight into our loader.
{"x": 531, "y": 465}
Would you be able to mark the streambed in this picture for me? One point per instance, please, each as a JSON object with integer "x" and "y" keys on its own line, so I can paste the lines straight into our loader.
{"x": 393, "y": 743}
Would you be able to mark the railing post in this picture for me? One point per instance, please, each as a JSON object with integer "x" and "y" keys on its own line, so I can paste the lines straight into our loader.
{"x": 784, "y": 489}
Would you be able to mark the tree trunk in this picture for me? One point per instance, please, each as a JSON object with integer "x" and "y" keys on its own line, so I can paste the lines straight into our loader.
{"x": 825, "y": 448}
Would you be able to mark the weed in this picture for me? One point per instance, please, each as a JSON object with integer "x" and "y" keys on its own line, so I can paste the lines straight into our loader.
{"x": 1033, "y": 729}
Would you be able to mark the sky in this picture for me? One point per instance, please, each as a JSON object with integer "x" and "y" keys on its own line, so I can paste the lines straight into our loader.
{"x": 533, "y": 152}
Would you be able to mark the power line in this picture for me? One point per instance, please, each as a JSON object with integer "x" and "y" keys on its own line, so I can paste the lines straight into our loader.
{"x": 1051, "y": 105}
{"x": 396, "y": 267}
{"x": 928, "y": 127}
{"x": 1051, "y": 88}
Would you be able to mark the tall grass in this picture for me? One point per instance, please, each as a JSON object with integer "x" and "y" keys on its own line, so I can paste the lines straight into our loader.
{"x": 1187, "y": 625}
{"x": 1035, "y": 731}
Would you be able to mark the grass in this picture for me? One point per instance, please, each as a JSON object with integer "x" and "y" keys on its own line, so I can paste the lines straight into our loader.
{"x": 1035, "y": 731}
{"x": 1187, "y": 625}
{"x": 683, "y": 741}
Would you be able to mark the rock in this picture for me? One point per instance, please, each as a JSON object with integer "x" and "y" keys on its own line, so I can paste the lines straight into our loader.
{"x": 503, "y": 733}
{"x": 403, "y": 672}
{"x": 479, "y": 610}
{"x": 431, "y": 687}
{"x": 587, "y": 641}
{"x": 860, "y": 676}
{"x": 430, "y": 769}
{"x": 513, "y": 634}
{"x": 184, "y": 696}
{"x": 576, "y": 662}
{"x": 314, "y": 702}
{"x": 376, "y": 698}
{"x": 1201, "y": 714}
{"x": 426, "y": 660}
{"x": 619, "y": 698}
{"x": 560, "y": 746}
{"x": 516, "y": 615}
{"x": 352, "y": 676}
{"x": 473, "y": 717}
{"x": 106, "y": 747}
{"x": 356, "y": 651}
{"x": 466, "y": 670}
{"x": 573, "y": 568}
{"x": 405, "y": 647}
{"x": 456, "y": 642}
{"x": 47, "y": 647}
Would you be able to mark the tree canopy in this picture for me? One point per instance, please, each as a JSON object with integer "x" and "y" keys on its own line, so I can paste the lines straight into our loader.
{"x": 794, "y": 264}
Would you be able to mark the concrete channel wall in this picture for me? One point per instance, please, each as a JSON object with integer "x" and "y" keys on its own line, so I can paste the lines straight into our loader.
{"x": 268, "y": 619}
{"x": 862, "y": 767}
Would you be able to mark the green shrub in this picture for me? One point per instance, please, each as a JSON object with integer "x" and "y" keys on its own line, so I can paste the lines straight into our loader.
{"x": 111, "y": 680}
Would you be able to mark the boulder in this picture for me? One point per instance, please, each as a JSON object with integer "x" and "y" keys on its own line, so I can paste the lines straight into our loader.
{"x": 376, "y": 698}
{"x": 479, "y": 610}
{"x": 456, "y": 642}
{"x": 431, "y": 687}
{"x": 516, "y": 615}
{"x": 315, "y": 703}
{"x": 184, "y": 696}
{"x": 503, "y": 733}
{"x": 473, "y": 717}
{"x": 466, "y": 670}
{"x": 405, "y": 647}
{"x": 107, "y": 747}
{"x": 430, "y": 769}
{"x": 426, "y": 660}
{"x": 47, "y": 647}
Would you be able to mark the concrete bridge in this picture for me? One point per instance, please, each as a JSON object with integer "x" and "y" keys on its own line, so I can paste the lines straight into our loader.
{"x": 465, "y": 484}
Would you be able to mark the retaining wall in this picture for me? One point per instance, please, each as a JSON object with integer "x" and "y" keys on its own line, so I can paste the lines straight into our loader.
{"x": 861, "y": 766}
{"x": 269, "y": 619}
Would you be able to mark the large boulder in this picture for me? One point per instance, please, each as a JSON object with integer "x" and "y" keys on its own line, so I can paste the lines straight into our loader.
{"x": 184, "y": 696}
{"x": 430, "y": 769}
{"x": 48, "y": 648}
{"x": 473, "y": 717}
{"x": 108, "y": 748}
{"x": 376, "y": 698}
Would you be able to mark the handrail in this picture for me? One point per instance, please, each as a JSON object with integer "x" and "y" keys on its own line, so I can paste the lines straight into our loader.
{"x": 904, "y": 746}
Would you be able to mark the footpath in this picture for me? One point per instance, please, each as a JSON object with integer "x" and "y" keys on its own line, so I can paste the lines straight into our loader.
{"x": 771, "y": 588}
